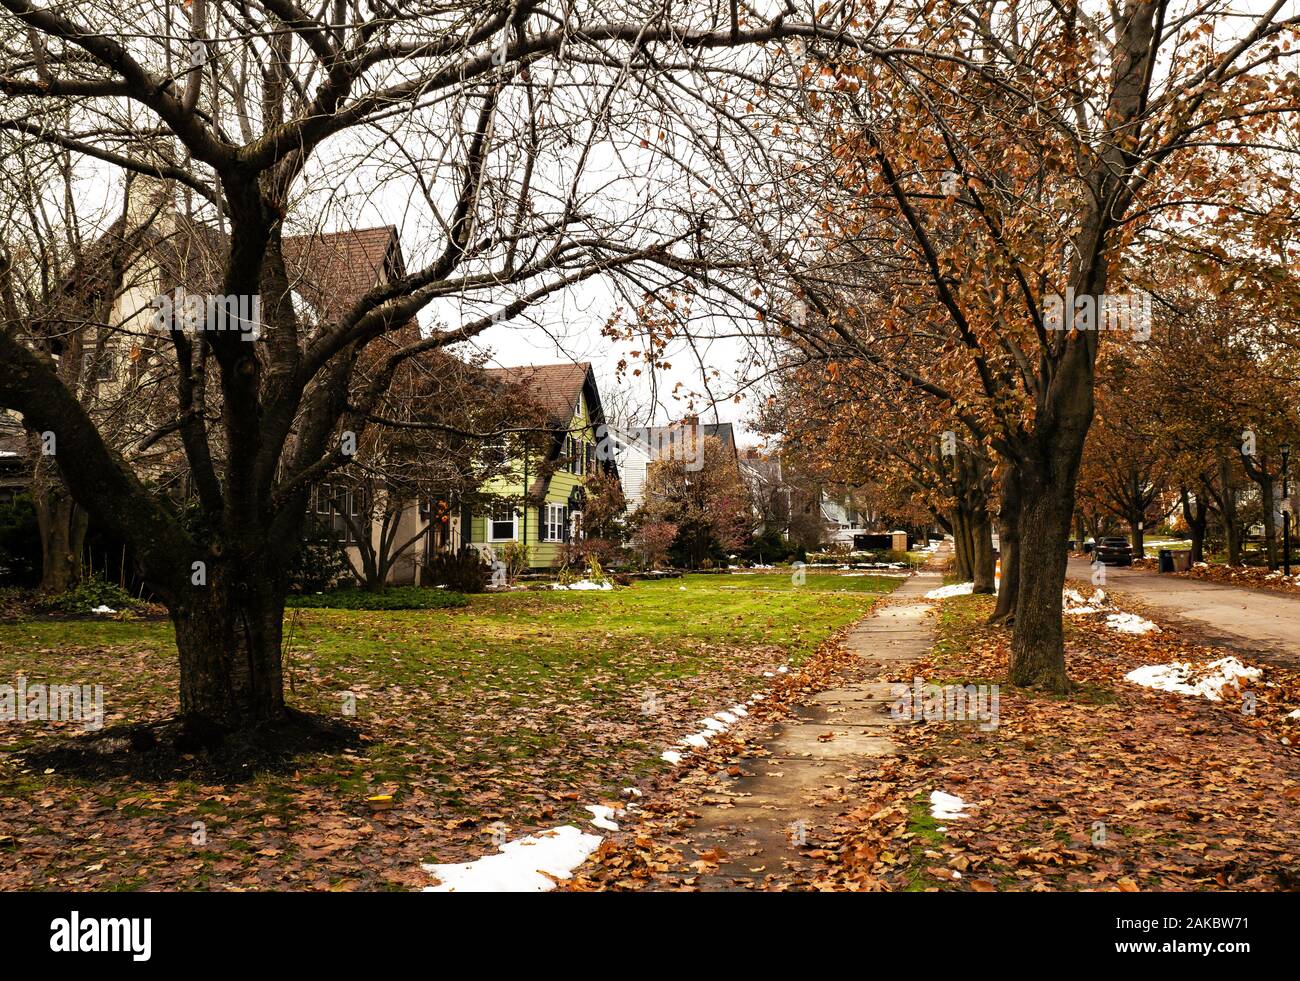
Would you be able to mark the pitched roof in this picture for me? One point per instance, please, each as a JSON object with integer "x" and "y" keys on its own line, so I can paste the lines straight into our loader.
{"x": 555, "y": 387}
{"x": 663, "y": 437}
{"x": 340, "y": 267}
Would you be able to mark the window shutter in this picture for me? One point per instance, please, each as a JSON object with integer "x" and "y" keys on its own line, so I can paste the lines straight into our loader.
{"x": 541, "y": 523}
{"x": 565, "y": 511}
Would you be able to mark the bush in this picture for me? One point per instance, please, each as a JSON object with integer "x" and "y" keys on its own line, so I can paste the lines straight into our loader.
{"x": 465, "y": 571}
{"x": 393, "y": 598}
{"x": 88, "y": 595}
{"x": 318, "y": 567}
{"x": 768, "y": 548}
{"x": 515, "y": 557}
{"x": 20, "y": 543}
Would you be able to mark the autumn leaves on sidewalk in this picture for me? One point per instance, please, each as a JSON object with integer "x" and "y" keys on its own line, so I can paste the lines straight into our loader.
{"x": 1116, "y": 787}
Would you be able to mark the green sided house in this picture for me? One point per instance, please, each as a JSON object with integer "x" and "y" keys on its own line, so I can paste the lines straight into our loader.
{"x": 546, "y": 487}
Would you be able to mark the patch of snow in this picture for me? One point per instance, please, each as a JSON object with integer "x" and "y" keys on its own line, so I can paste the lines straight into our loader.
{"x": 631, "y": 792}
{"x": 714, "y": 725}
{"x": 1130, "y": 623}
{"x": 739, "y": 710}
{"x": 946, "y": 807}
{"x": 1184, "y": 679}
{"x": 671, "y": 756}
{"x": 782, "y": 669}
{"x": 584, "y": 584}
{"x": 103, "y": 609}
{"x": 522, "y": 865}
{"x": 956, "y": 589}
{"x": 698, "y": 739}
{"x": 728, "y": 717}
{"x": 1293, "y": 715}
{"x": 603, "y": 817}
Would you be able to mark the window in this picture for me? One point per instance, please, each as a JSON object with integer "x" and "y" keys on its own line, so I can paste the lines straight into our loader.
{"x": 575, "y": 452}
{"x": 553, "y": 523}
{"x": 501, "y": 524}
{"x": 97, "y": 368}
{"x": 329, "y": 507}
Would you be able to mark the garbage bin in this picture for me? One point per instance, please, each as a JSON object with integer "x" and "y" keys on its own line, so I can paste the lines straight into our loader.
{"x": 1166, "y": 560}
{"x": 1087, "y": 547}
{"x": 1182, "y": 561}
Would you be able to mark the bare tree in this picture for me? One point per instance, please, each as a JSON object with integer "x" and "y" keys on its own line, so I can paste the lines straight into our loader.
{"x": 495, "y": 130}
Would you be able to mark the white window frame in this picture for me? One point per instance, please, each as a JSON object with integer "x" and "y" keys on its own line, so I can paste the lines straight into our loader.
{"x": 493, "y": 521}
{"x": 554, "y": 519}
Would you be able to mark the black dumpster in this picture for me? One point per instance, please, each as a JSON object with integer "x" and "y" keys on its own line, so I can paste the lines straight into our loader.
{"x": 1166, "y": 560}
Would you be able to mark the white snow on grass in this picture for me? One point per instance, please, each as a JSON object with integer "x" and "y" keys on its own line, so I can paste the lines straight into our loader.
{"x": 523, "y": 865}
{"x": 1074, "y": 603}
{"x": 946, "y": 807}
{"x": 102, "y": 609}
{"x": 1130, "y": 623}
{"x": 1185, "y": 679}
{"x": 728, "y": 718}
{"x": 1293, "y": 715}
{"x": 956, "y": 589}
{"x": 714, "y": 725}
{"x": 584, "y": 584}
{"x": 603, "y": 817}
{"x": 698, "y": 739}
{"x": 671, "y": 756}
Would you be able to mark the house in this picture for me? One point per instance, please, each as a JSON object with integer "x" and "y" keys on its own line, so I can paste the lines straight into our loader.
{"x": 541, "y": 493}
{"x": 636, "y": 449}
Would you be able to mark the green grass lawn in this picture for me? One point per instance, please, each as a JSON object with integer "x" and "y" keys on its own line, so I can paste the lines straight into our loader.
{"x": 519, "y": 708}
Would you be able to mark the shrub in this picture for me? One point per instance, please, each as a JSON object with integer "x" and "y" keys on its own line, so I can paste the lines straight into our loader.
{"x": 89, "y": 594}
{"x": 393, "y": 598}
{"x": 464, "y": 571}
{"x": 317, "y": 567}
{"x": 768, "y": 547}
{"x": 515, "y": 557}
{"x": 20, "y": 543}
{"x": 652, "y": 542}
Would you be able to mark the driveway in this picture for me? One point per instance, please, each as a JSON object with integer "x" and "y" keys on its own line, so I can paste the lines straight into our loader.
{"x": 1252, "y": 621}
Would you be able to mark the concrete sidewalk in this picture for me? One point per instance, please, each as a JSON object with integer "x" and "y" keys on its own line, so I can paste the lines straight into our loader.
{"x": 760, "y": 818}
{"x": 1253, "y": 621}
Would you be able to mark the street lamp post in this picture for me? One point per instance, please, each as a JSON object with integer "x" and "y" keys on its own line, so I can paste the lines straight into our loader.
{"x": 1286, "y": 513}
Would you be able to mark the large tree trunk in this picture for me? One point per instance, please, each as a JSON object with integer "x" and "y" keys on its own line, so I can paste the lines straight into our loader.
{"x": 963, "y": 560}
{"x": 1137, "y": 533}
{"x": 228, "y": 634}
{"x": 1008, "y": 546}
{"x": 62, "y": 526}
{"x": 1037, "y": 645}
{"x": 1196, "y": 521}
{"x": 1270, "y": 526}
{"x": 983, "y": 562}
{"x": 1228, "y": 512}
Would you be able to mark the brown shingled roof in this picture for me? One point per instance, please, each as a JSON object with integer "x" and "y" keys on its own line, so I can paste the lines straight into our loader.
{"x": 555, "y": 387}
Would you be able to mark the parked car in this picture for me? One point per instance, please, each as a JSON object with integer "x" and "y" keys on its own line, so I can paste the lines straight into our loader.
{"x": 1114, "y": 551}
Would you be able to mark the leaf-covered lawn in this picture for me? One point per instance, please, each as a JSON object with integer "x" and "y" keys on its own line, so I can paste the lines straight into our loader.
{"x": 519, "y": 709}
{"x": 1115, "y": 787}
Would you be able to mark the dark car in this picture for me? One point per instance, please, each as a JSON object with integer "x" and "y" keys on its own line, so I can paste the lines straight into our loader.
{"x": 1114, "y": 551}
